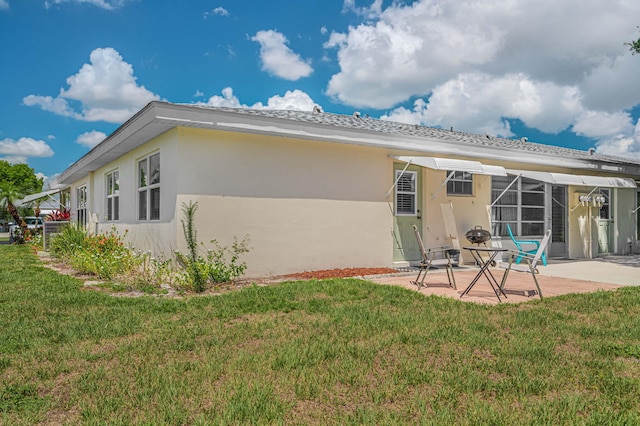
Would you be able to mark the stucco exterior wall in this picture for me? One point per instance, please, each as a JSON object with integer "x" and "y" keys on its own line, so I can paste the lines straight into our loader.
{"x": 159, "y": 236}
{"x": 304, "y": 204}
{"x": 469, "y": 210}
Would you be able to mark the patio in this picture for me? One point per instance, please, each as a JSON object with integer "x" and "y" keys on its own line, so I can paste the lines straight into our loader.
{"x": 558, "y": 278}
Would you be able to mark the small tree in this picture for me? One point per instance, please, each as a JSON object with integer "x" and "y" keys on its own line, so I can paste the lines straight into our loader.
{"x": 209, "y": 266}
{"x": 17, "y": 181}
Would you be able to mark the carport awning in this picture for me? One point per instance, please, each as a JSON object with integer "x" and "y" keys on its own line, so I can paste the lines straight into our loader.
{"x": 578, "y": 180}
{"x": 39, "y": 196}
{"x": 454, "y": 165}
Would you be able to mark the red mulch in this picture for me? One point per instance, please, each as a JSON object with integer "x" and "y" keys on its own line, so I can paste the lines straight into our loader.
{"x": 338, "y": 273}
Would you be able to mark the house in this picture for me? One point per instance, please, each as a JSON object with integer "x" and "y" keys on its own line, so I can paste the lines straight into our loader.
{"x": 315, "y": 190}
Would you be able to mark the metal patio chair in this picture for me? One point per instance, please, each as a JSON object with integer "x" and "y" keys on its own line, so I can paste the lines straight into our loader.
{"x": 440, "y": 256}
{"x": 532, "y": 261}
{"x": 523, "y": 252}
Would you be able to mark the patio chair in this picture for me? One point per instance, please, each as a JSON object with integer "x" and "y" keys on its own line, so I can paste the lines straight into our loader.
{"x": 532, "y": 262}
{"x": 440, "y": 256}
{"x": 523, "y": 252}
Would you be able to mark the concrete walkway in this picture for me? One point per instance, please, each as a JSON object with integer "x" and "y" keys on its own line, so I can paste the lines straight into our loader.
{"x": 558, "y": 278}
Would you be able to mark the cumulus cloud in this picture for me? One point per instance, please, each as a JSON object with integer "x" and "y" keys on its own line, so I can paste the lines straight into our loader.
{"x": 91, "y": 139}
{"x": 4, "y": 4}
{"x": 19, "y": 151}
{"x": 102, "y": 4}
{"x": 220, "y": 11}
{"x": 406, "y": 50}
{"x": 278, "y": 59}
{"x": 480, "y": 103}
{"x": 105, "y": 88}
{"x": 292, "y": 100}
{"x": 622, "y": 144}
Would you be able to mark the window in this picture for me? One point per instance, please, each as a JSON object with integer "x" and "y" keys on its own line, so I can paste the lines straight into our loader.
{"x": 605, "y": 207}
{"x": 405, "y": 193}
{"x": 149, "y": 188}
{"x": 113, "y": 196}
{"x": 81, "y": 205}
{"x": 522, "y": 206}
{"x": 460, "y": 183}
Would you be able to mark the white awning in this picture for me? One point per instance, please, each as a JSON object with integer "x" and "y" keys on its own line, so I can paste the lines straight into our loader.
{"x": 578, "y": 180}
{"x": 39, "y": 195}
{"x": 451, "y": 164}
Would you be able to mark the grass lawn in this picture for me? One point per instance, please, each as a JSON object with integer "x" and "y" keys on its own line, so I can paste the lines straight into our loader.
{"x": 319, "y": 352}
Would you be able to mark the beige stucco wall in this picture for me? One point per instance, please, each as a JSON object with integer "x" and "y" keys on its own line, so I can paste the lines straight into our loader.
{"x": 304, "y": 204}
{"x": 469, "y": 211}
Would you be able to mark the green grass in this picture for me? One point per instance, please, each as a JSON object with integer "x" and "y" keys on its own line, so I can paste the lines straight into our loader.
{"x": 320, "y": 352}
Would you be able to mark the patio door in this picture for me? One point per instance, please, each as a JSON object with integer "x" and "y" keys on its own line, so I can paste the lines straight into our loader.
{"x": 407, "y": 210}
{"x": 558, "y": 216}
{"x": 605, "y": 222}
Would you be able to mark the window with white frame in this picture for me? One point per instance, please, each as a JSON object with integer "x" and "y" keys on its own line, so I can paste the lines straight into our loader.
{"x": 460, "y": 183}
{"x": 113, "y": 196}
{"x": 406, "y": 193}
{"x": 81, "y": 205}
{"x": 149, "y": 188}
{"x": 521, "y": 206}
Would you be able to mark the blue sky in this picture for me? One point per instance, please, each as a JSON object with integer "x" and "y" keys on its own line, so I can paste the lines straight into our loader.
{"x": 559, "y": 73}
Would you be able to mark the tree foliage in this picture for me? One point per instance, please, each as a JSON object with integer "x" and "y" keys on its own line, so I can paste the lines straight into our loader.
{"x": 634, "y": 46}
{"x": 17, "y": 181}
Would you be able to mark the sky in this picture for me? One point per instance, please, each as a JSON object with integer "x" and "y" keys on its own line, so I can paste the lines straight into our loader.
{"x": 556, "y": 72}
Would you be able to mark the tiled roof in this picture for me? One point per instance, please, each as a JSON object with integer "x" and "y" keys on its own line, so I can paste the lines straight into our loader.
{"x": 368, "y": 124}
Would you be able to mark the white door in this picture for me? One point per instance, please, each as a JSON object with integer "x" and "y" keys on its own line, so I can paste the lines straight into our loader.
{"x": 605, "y": 222}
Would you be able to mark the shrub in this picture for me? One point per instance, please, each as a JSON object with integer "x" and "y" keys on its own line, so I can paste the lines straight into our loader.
{"x": 103, "y": 255}
{"x": 218, "y": 265}
{"x": 68, "y": 241}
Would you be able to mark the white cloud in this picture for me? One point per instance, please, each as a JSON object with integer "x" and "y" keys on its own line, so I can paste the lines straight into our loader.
{"x": 25, "y": 147}
{"x": 91, "y": 139}
{"x": 622, "y": 144}
{"x": 474, "y": 65}
{"x": 4, "y": 4}
{"x": 227, "y": 100}
{"x": 594, "y": 124}
{"x": 293, "y": 100}
{"x": 278, "y": 59}
{"x": 409, "y": 48}
{"x": 479, "y": 103}
{"x": 102, "y": 4}
{"x": 15, "y": 159}
{"x": 105, "y": 88}
{"x": 220, "y": 11}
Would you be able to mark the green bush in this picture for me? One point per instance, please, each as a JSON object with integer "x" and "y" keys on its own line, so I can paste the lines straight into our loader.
{"x": 103, "y": 255}
{"x": 68, "y": 241}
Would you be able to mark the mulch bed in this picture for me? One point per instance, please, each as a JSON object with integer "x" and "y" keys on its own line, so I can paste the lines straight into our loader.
{"x": 338, "y": 273}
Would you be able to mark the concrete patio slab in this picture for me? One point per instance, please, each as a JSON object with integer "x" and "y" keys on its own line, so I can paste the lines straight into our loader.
{"x": 557, "y": 279}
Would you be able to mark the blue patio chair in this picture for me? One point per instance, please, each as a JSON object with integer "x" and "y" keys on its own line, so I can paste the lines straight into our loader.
{"x": 532, "y": 261}
{"x": 522, "y": 253}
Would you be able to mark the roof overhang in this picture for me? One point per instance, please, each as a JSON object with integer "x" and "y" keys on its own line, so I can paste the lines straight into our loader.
{"x": 577, "y": 180}
{"x": 453, "y": 164}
